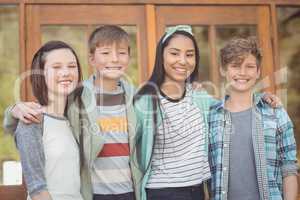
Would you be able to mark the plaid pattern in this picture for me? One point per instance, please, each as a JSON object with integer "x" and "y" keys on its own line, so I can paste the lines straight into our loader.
{"x": 273, "y": 143}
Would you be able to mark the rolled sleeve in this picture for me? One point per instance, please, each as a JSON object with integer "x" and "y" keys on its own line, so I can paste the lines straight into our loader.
{"x": 287, "y": 144}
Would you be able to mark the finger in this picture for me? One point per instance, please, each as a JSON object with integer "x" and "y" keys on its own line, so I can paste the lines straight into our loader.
{"x": 25, "y": 120}
{"x": 34, "y": 112}
{"x": 31, "y": 118}
{"x": 268, "y": 99}
{"x": 33, "y": 105}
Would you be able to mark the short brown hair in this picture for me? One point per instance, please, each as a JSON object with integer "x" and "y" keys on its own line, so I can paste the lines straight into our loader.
{"x": 236, "y": 50}
{"x": 107, "y": 34}
{"x": 37, "y": 78}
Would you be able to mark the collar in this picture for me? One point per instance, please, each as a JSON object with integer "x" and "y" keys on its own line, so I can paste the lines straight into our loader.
{"x": 258, "y": 101}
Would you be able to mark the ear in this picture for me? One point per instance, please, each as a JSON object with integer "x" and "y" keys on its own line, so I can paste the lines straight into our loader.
{"x": 258, "y": 73}
{"x": 91, "y": 60}
{"x": 222, "y": 71}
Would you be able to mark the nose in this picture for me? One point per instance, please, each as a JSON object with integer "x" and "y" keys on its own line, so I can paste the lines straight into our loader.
{"x": 65, "y": 71}
{"x": 115, "y": 56}
{"x": 242, "y": 70}
{"x": 182, "y": 60}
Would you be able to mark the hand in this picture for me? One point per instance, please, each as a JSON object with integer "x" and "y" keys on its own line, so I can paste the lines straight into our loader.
{"x": 27, "y": 112}
{"x": 272, "y": 100}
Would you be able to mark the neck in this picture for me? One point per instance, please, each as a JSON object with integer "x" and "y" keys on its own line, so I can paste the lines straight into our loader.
{"x": 108, "y": 85}
{"x": 239, "y": 101}
{"x": 172, "y": 89}
{"x": 56, "y": 107}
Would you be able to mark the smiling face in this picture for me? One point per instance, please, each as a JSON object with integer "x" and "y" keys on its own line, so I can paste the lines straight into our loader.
{"x": 179, "y": 59}
{"x": 242, "y": 77}
{"x": 61, "y": 72}
{"x": 111, "y": 60}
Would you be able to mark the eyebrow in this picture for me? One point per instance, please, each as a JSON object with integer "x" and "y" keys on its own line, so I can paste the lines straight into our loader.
{"x": 59, "y": 63}
{"x": 173, "y": 48}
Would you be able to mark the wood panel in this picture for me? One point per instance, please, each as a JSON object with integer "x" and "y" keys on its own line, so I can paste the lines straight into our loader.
{"x": 264, "y": 34}
{"x": 13, "y": 192}
{"x": 203, "y": 15}
{"x": 22, "y": 39}
{"x": 89, "y": 14}
{"x": 151, "y": 36}
{"x": 163, "y": 2}
{"x": 214, "y": 73}
{"x": 33, "y": 42}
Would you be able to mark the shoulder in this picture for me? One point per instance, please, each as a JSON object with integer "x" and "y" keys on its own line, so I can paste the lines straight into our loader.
{"x": 127, "y": 85}
{"x": 201, "y": 95}
{"x": 29, "y": 130}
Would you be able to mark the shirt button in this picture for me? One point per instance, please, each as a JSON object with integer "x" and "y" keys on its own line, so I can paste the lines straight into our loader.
{"x": 223, "y": 192}
{"x": 225, "y": 145}
{"x": 224, "y": 168}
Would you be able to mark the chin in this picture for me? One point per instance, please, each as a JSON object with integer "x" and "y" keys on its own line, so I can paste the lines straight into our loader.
{"x": 113, "y": 76}
{"x": 241, "y": 89}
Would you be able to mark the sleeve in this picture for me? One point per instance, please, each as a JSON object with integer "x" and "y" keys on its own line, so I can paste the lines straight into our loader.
{"x": 286, "y": 143}
{"x": 9, "y": 122}
{"x": 30, "y": 146}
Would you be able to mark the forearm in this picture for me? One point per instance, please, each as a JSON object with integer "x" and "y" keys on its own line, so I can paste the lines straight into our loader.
{"x": 43, "y": 195}
{"x": 290, "y": 187}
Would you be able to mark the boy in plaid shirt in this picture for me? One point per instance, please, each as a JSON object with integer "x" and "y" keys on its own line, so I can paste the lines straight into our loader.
{"x": 252, "y": 148}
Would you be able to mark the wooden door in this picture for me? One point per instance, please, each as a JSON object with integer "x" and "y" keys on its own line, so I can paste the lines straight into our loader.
{"x": 47, "y": 22}
{"x": 217, "y": 21}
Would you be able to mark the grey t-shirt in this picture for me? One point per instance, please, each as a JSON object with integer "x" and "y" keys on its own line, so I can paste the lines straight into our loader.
{"x": 242, "y": 173}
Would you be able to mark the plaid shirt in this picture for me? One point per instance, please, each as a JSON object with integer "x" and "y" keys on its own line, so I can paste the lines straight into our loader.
{"x": 273, "y": 143}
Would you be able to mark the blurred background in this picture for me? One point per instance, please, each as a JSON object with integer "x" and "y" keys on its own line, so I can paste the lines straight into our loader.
{"x": 26, "y": 24}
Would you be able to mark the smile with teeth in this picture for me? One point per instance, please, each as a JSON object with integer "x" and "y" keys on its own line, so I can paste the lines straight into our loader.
{"x": 113, "y": 68}
{"x": 181, "y": 70}
{"x": 65, "y": 82}
{"x": 241, "y": 80}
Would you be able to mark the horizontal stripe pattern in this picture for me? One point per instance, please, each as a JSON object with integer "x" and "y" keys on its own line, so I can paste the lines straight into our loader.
{"x": 179, "y": 157}
{"x": 111, "y": 173}
{"x": 117, "y": 149}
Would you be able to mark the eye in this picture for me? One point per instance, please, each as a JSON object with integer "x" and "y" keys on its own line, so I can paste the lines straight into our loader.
{"x": 56, "y": 66}
{"x": 123, "y": 53}
{"x": 190, "y": 55}
{"x": 72, "y": 66}
{"x": 174, "y": 53}
{"x": 251, "y": 66}
{"x": 104, "y": 52}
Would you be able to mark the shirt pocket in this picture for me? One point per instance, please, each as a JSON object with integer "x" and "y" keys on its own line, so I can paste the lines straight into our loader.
{"x": 270, "y": 127}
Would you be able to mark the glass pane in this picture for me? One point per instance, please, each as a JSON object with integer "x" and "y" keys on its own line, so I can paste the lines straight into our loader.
{"x": 132, "y": 73}
{"x": 9, "y": 70}
{"x": 76, "y": 36}
{"x": 289, "y": 74}
{"x": 201, "y": 35}
{"x": 224, "y": 34}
